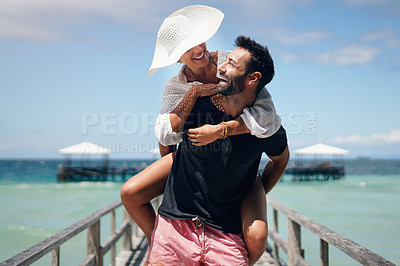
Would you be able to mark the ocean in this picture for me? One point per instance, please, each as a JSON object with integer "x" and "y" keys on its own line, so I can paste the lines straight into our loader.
{"x": 363, "y": 206}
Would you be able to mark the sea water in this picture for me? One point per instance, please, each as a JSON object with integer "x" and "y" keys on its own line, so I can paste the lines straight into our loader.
{"x": 364, "y": 207}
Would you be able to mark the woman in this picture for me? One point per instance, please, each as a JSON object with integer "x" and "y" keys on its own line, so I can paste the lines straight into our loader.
{"x": 182, "y": 37}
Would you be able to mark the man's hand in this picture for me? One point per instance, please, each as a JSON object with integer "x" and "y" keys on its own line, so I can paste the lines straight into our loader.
{"x": 205, "y": 134}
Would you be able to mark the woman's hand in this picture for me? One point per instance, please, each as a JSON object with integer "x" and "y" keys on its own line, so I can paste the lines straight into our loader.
{"x": 205, "y": 134}
{"x": 203, "y": 90}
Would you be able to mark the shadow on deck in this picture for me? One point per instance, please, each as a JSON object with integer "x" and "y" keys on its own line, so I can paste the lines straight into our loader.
{"x": 136, "y": 256}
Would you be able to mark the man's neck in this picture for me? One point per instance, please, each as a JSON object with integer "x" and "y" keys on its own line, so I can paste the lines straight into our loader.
{"x": 234, "y": 104}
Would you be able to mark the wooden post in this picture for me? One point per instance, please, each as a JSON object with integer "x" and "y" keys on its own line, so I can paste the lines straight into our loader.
{"x": 294, "y": 239}
{"x": 275, "y": 250}
{"x": 112, "y": 234}
{"x": 55, "y": 257}
{"x": 127, "y": 241}
{"x": 93, "y": 242}
{"x": 324, "y": 253}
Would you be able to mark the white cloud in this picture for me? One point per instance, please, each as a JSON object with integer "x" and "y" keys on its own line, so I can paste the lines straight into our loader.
{"x": 290, "y": 58}
{"x": 378, "y": 35}
{"x": 46, "y": 19}
{"x": 50, "y": 19}
{"x": 19, "y": 30}
{"x": 382, "y": 7}
{"x": 388, "y": 36}
{"x": 300, "y": 38}
{"x": 392, "y": 137}
{"x": 365, "y": 2}
{"x": 349, "y": 55}
{"x": 270, "y": 9}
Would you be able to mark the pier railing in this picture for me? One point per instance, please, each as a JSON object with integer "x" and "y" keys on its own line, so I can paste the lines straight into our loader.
{"x": 95, "y": 249}
{"x": 292, "y": 246}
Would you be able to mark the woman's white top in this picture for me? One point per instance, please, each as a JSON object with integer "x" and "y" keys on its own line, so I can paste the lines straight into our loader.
{"x": 261, "y": 118}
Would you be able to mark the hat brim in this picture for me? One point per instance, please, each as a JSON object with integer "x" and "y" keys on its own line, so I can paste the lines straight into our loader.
{"x": 199, "y": 34}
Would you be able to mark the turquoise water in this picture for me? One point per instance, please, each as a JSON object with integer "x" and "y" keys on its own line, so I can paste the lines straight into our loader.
{"x": 363, "y": 207}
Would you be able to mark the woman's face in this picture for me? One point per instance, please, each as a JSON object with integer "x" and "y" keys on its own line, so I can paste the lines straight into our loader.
{"x": 196, "y": 57}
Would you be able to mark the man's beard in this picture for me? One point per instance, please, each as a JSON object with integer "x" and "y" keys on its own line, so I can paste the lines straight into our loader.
{"x": 235, "y": 85}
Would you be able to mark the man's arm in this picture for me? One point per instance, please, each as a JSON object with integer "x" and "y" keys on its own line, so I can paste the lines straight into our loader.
{"x": 274, "y": 170}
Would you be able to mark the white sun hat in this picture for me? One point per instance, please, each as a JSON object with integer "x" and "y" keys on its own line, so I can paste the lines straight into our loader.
{"x": 183, "y": 30}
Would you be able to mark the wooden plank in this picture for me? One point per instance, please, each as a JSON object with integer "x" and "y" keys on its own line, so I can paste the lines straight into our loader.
{"x": 112, "y": 233}
{"x": 115, "y": 237}
{"x": 93, "y": 242}
{"x": 127, "y": 239}
{"x": 89, "y": 261}
{"x": 279, "y": 241}
{"x": 55, "y": 257}
{"x": 324, "y": 253}
{"x": 294, "y": 240}
{"x": 266, "y": 259}
{"x": 135, "y": 256}
{"x": 276, "y": 230}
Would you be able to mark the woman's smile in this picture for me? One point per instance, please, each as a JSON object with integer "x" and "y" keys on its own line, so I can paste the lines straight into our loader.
{"x": 201, "y": 56}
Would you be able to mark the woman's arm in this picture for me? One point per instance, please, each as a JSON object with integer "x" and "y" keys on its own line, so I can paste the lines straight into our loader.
{"x": 209, "y": 133}
{"x": 175, "y": 90}
{"x": 260, "y": 120}
{"x": 181, "y": 112}
{"x": 178, "y": 98}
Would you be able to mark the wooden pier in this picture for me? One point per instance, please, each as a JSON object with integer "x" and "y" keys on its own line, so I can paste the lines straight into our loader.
{"x": 319, "y": 173}
{"x": 134, "y": 246}
{"x": 319, "y": 168}
{"x": 68, "y": 173}
{"x": 84, "y": 171}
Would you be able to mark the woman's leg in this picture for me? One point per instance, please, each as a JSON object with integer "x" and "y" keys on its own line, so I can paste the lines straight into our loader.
{"x": 140, "y": 189}
{"x": 254, "y": 221}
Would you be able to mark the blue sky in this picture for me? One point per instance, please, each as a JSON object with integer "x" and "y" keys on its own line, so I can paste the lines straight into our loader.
{"x": 74, "y": 71}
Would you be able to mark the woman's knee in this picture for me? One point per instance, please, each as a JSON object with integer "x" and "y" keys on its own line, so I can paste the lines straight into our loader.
{"x": 130, "y": 191}
{"x": 257, "y": 232}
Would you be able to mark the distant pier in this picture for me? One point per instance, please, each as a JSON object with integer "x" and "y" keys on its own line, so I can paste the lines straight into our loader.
{"x": 67, "y": 173}
{"x": 316, "y": 173}
{"x": 319, "y": 168}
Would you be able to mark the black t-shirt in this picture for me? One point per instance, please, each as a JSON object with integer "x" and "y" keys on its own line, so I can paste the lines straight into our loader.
{"x": 211, "y": 181}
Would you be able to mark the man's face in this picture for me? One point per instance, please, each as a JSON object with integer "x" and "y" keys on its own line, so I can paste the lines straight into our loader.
{"x": 233, "y": 70}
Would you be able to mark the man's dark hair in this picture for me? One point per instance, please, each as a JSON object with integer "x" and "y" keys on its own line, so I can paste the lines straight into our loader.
{"x": 260, "y": 60}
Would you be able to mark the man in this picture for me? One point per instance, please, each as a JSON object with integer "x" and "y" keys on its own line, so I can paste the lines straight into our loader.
{"x": 199, "y": 220}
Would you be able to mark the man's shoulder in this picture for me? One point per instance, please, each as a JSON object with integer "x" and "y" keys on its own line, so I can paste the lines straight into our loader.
{"x": 273, "y": 145}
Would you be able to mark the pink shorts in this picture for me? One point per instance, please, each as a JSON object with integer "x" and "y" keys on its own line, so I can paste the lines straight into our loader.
{"x": 191, "y": 242}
